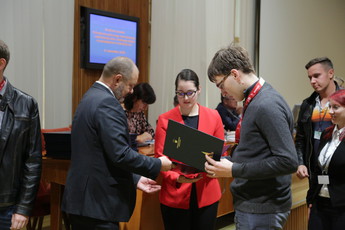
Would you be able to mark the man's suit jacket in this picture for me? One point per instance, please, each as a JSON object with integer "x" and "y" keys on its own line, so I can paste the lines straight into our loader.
{"x": 336, "y": 173}
{"x": 230, "y": 118}
{"x": 174, "y": 194}
{"x": 100, "y": 182}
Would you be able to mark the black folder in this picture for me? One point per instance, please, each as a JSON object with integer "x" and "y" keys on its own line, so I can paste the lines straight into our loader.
{"x": 189, "y": 146}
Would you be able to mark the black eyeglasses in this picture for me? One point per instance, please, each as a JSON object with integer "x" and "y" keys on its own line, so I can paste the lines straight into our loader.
{"x": 220, "y": 84}
{"x": 188, "y": 93}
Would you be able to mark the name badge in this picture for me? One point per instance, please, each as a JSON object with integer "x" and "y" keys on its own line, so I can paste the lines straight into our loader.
{"x": 323, "y": 179}
{"x": 317, "y": 135}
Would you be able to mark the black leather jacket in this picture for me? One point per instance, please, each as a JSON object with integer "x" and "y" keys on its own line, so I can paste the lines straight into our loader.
{"x": 304, "y": 134}
{"x": 20, "y": 150}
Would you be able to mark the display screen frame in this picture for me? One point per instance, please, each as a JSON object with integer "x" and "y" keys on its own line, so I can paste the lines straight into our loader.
{"x": 105, "y": 35}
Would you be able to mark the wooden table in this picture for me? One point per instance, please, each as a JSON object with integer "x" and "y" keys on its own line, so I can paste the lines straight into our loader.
{"x": 55, "y": 172}
{"x": 147, "y": 214}
{"x": 298, "y": 218}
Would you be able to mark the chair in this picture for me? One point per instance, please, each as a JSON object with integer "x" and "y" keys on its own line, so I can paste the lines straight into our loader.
{"x": 41, "y": 206}
{"x": 42, "y": 203}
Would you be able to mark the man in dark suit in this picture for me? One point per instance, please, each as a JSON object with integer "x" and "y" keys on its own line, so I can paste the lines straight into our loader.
{"x": 101, "y": 184}
{"x": 229, "y": 112}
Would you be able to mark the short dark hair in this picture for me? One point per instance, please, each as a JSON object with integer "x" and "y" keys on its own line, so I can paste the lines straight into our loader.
{"x": 142, "y": 91}
{"x": 175, "y": 100}
{"x": 226, "y": 59}
{"x": 4, "y": 52}
{"x": 325, "y": 61}
{"x": 187, "y": 75}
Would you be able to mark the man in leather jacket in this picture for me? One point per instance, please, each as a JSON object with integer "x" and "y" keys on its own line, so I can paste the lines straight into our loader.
{"x": 313, "y": 117}
{"x": 20, "y": 151}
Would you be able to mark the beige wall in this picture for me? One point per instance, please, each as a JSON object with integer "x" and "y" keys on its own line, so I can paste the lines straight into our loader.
{"x": 292, "y": 33}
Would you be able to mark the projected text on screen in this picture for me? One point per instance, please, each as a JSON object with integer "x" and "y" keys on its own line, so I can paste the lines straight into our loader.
{"x": 111, "y": 37}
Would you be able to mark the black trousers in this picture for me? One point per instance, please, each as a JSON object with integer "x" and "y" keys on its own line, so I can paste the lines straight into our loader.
{"x": 323, "y": 216}
{"x": 87, "y": 223}
{"x": 193, "y": 218}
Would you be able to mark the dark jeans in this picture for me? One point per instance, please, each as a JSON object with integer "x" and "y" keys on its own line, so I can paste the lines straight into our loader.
{"x": 323, "y": 216}
{"x": 254, "y": 221}
{"x": 6, "y": 217}
{"x": 87, "y": 223}
{"x": 193, "y": 218}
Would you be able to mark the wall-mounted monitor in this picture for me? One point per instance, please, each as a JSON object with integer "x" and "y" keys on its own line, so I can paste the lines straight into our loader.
{"x": 105, "y": 35}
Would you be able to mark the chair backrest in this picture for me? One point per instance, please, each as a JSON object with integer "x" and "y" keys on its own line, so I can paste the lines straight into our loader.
{"x": 63, "y": 129}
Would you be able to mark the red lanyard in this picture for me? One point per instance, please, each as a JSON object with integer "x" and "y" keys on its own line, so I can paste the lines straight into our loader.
{"x": 252, "y": 94}
{"x": 2, "y": 83}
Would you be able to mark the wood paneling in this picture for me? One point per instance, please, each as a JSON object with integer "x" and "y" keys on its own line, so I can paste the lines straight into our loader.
{"x": 82, "y": 78}
{"x": 225, "y": 203}
{"x": 298, "y": 219}
{"x": 147, "y": 210}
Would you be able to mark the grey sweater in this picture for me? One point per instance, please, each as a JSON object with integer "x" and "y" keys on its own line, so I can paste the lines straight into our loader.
{"x": 265, "y": 156}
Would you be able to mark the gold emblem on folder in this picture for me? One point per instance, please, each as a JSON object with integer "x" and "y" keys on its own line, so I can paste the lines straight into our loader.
{"x": 208, "y": 154}
{"x": 177, "y": 142}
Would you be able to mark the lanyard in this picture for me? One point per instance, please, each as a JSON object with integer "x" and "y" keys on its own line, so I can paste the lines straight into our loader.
{"x": 325, "y": 162}
{"x": 324, "y": 115}
{"x": 335, "y": 141}
{"x": 252, "y": 94}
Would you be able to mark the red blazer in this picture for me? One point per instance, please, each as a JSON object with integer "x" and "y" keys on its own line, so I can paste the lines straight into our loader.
{"x": 177, "y": 195}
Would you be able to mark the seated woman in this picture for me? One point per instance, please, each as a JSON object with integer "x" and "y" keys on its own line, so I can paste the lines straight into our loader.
{"x": 135, "y": 104}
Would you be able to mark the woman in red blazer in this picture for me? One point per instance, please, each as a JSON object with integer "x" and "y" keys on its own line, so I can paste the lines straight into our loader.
{"x": 188, "y": 201}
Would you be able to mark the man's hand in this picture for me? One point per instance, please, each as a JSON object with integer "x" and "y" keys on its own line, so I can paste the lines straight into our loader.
{"x": 144, "y": 137}
{"x": 19, "y": 221}
{"x": 302, "y": 172}
{"x": 222, "y": 168}
{"x": 166, "y": 164}
{"x": 147, "y": 185}
{"x": 183, "y": 179}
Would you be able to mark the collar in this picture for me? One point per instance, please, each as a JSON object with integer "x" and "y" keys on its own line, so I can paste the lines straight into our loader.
{"x": 247, "y": 91}
{"x": 3, "y": 89}
{"x": 318, "y": 102}
{"x": 338, "y": 133}
{"x": 101, "y": 83}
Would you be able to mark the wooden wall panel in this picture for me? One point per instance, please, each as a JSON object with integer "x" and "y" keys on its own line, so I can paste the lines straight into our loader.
{"x": 298, "y": 219}
{"x": 82, "y": 78}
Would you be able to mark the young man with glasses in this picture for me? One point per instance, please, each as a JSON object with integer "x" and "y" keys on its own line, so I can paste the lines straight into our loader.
{"x": 265, "y": 156}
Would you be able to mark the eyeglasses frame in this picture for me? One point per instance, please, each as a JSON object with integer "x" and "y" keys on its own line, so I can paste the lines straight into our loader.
{"x": 183, "y": 95}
